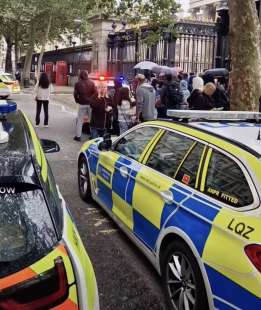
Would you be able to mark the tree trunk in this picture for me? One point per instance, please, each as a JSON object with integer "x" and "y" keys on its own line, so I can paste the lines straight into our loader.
{"x": 28, "y": 59}
{"x": 245, "y": 53}
{"x": 16, "y": 45}
{"x": 28, "y": 63}
{"x": 8, "y": 57}
{"x": 44, "y": 41}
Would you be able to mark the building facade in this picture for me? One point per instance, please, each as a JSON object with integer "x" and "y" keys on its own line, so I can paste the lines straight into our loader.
{"x": 206, "y": 9}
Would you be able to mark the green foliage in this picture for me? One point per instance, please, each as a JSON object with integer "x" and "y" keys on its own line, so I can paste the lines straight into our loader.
{"x": 157, "y": 15}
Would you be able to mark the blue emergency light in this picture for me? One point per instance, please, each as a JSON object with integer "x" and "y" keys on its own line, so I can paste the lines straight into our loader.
{"x": 7, "y": 106}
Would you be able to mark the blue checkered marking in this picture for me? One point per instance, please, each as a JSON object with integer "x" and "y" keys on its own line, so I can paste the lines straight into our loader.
{"x": 145, "y": 230}
{"x": 104, "y": 194}
{"x": 200, "y": 208}
{"x": 169, "y": 208}
{"x": 124, "y": 186}
{"x": 219, "y": 305}
{"x": 93, "y": 157}
{"x": 228, "y": 290}
{"x": 104, "y": 173}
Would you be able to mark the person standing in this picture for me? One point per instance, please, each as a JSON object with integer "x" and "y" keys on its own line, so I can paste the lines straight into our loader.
{"x": 170, "y": 96}
{"x": 185, "y": 93}
{"x": 84, "y": 89}
{"x": 126, "y": 110}
{"x": 42, "y": 95}
{"x": 102, "y": 107}
{"x": 145, "y": 99}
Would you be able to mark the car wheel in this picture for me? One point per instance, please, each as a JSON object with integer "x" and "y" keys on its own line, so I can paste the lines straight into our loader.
{"x": 182, "y": 280}
{"x": 84, "y": 183}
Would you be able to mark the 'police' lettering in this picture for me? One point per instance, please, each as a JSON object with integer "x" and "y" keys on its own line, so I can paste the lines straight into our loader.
{"x": 240, "y": 228}
{"x": 7, "y": 190}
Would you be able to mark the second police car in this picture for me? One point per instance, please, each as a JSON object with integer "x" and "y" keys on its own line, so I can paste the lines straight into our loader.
{"x": 43, "y": 263}
{"x": 188, "y": 194}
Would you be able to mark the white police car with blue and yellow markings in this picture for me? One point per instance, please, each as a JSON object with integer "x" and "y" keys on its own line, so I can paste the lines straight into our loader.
{"x": 43, "y": 262}
{"x": 187, "y": 192}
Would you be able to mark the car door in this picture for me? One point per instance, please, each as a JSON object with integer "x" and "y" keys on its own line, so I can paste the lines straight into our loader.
{"x": 117, "y": 170}
{"x": 156, "y": 194}
{"x": 235, "y": 231}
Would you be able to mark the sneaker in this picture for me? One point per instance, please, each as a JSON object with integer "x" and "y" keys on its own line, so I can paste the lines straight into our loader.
{"x": 77, "y": 138}
{"x": 36, "y": 126}
{"x": 46, "y": 126}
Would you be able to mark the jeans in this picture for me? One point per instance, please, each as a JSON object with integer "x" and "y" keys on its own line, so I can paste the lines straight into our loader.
{"x": 82, "y": 111}
{"x": 97, "y": 132}
{"x": 39, "y": 104}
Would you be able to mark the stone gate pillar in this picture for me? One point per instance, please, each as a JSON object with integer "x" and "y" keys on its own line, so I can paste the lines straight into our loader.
{"x": 100, "y": 31}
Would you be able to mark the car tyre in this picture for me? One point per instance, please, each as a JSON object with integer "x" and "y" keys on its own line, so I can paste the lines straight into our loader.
{"x": 84, "y": 183}
{"x": 182, "y": 279}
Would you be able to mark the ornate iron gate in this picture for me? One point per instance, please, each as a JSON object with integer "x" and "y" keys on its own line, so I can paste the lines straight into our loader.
{"x": 193, "y": 49}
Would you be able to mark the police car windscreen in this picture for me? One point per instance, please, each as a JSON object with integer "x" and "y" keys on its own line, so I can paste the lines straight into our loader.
{"x": 26, "y": 230}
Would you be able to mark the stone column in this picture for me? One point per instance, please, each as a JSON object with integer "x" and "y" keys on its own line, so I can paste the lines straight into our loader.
{"x": 101, "y": 28}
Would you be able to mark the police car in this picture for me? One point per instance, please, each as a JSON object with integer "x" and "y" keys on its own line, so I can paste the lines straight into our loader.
{"x": 11, "y": 83}
{"x": 187, "y": 192}
{"x": 5, "y": 91}
{"x": 43, "y": 263}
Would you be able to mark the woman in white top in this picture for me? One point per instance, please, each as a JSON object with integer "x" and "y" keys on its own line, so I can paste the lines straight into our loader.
{"x": 42, "y": 91}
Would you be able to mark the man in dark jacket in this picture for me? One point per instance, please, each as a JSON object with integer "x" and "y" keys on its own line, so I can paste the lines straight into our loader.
{"x": 84, "y": 89}
{"x": 170, "y": 96}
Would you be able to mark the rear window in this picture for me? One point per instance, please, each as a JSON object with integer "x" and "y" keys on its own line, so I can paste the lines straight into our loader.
{"x": 26, "y": 230}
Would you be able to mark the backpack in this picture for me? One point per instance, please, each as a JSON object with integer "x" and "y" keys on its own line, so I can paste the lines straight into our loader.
{"x": 174, "y": 96}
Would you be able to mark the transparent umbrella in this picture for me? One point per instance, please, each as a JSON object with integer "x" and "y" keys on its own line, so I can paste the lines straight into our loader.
{"x": 145, "y": 65}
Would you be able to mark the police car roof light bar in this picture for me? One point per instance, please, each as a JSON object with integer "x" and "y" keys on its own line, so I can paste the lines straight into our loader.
{"x": 214, "y": 115}
{"x": 5, "y": 108}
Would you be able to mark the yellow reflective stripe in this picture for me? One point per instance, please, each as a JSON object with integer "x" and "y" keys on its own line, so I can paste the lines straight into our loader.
{"x": 200, "y": 165}
{"x": 223, "y": 237}
{"x": 35, "y": 140}
{"x": 184, "y": 158}
{"x": 150, "y": 146}
{"x": 44, "y": 170}
{"x": 205, "y": 170}
{"x": 124, "y": 212}
{"x": 73, "y": 294}
{"x": 86, "y": 264}
{"x": 40, "y": 157}
{"x": 86, "y": 145}
{"x": 47, "y": 262}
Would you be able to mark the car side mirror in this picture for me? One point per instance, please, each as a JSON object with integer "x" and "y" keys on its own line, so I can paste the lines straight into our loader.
{"x": 106, "y": 143}
{"x": 50, "y": 146}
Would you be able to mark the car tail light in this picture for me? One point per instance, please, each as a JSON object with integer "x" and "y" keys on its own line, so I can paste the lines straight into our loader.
{"x": 41, "y": 292}
{"x": 253, "y": 251}
{"x": 102, "y": 78}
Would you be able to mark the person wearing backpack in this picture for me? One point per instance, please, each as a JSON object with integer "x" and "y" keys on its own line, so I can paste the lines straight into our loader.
{"x": 171, "y": 96}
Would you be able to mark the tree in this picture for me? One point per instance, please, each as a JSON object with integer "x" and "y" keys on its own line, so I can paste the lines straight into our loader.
{"x": 157, "y": 15}
{"x": 245, "y": 55}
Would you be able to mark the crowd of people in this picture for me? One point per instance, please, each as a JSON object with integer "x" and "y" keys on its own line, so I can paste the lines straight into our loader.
{"x": 148, "y": 98}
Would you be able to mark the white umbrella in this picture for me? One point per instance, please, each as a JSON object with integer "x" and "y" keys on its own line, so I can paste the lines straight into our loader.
{"x": 145, "y": 65}
{"x": 166, "y": 70}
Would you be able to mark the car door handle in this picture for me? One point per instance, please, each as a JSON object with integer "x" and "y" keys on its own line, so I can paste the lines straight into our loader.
{"x": 124, "y": 171}
{"x": 167, "y": 197}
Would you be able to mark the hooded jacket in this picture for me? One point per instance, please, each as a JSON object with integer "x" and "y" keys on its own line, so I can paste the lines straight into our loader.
{"x": 146, "y": 98}
{"x": 84, "y": 89}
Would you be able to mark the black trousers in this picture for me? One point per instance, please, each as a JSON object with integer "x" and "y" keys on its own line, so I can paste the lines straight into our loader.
{"x": 39, "y": 104}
